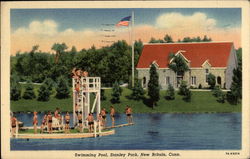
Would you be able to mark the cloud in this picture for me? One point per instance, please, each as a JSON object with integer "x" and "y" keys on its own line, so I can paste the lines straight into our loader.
{"x": 46, "y": 27}
{"x": 46, "y": 33}
{"x": 177, "y": 20}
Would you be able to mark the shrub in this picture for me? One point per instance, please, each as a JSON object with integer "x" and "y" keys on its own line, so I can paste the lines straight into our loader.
{"x": 211, "y": 80}
{"x": 50, "y": 83}
{"x": 137, "y": 92}
{"x": 182, "y": 88}
{"x": 187, "y": 95}
{"x": 15, "y": 91}
{"x": 170, "y": 94}
{"x": 43, "y": 93}
{"x": 184, "y": 91}
{"x": 62, "y": 90}
{"x": 103, "y": 97}
{"x": 221, "y": 98}
{"x": 29, "y": 92}
{"x": 216, "y": 91}
{"x": 117, "y": 91}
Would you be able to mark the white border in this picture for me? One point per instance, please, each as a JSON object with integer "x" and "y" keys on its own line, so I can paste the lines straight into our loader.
{"x": 5, "y": 72}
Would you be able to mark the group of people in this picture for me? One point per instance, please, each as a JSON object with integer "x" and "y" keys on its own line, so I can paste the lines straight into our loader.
{"x": 49, "y": 117}
{"x": 76, "y": 75}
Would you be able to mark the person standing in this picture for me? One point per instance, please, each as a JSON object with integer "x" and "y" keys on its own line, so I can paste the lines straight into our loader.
{"x": 90, "y": 120}
{"x": 103, "y": 113}
{"x": 13, "y": 125}
{"x": 129, "y": 114}
{"x": 44, "y": 122}
{"x": 112, "y": 115}
{"x": 35, "y": 122}
{"x": 67, "y": 120}
{"x": 49, "y": 119}
{"x": 79, "y": 117}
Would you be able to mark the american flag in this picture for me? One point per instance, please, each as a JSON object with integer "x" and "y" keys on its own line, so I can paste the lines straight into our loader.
{"x": 124, "y": 22}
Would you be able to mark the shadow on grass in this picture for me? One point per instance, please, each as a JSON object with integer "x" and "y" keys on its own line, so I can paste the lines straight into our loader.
{"x": 147, "y": 102}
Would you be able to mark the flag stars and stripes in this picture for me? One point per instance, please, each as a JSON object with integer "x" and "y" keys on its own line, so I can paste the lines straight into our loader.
{"x": 124, "y": 21}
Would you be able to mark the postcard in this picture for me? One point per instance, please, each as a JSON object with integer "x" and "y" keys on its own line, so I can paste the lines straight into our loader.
{"x": 125, "y": 79}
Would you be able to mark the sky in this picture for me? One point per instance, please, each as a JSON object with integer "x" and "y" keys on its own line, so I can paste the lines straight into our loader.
{"x": 83, "y": 28}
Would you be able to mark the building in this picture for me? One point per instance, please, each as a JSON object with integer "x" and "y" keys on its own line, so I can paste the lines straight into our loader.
{"x": 218, "y": 58}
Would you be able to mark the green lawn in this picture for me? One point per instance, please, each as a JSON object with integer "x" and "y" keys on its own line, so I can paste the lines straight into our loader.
{"x": 202, "y": 102}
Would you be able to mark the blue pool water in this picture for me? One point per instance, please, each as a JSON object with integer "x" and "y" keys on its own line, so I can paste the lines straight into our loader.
{"x": 217, "y": 131}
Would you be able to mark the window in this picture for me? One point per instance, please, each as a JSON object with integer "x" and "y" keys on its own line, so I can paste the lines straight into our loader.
{"x": 144, "y": 82}
{"x": 207, "y": 72}
{"x": 167, "y": 80}
{"x": 193, "y": 80}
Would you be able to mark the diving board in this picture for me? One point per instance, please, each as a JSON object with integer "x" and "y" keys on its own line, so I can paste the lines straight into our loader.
{"x": 118, "y": 126}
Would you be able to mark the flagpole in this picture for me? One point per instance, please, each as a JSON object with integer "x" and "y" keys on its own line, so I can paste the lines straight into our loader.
{"x": 132, "y": 41}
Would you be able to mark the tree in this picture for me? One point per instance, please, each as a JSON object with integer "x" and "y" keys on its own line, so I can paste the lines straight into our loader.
{"x": 235, "y": 93}
{"x": 138, "y": 46}
{"x": 206, "y": 39}
{"x": 59, "y": 48}
{"x": 211, "y": 80}
{"x": 168, "y": 39}
{"x": 103, "y": 97}
{"x": 187, "y": 95}
{"x": 153, "y": 86}
{"x": 184, "y": 91}
{"x": 62, "y": 90}
{"x": 43, "y": 93}
{"x": 116, "y": 93}
{"x": 170, "y": 94}
{"x": 182, "y": 88}
{"x": 15, "y": 91}
{"x": 178, "y": 65}
{"x": 29, "y": 92}
{"x": 137, "y": 92}
{"x": 217, "y": 92}
{"x": 50, "y": 83}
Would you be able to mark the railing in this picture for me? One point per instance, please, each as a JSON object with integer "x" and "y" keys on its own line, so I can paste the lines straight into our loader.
{"x": 91, "y": 83}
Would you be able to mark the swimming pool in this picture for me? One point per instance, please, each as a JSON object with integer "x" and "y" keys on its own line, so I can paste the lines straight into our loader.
{"x": 218, "y": 131}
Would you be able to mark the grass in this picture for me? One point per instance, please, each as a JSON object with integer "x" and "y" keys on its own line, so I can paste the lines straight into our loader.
{"x": 201, "y": 102}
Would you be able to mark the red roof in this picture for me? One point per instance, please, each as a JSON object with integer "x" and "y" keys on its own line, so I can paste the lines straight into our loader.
{"x": 217, "y": 53}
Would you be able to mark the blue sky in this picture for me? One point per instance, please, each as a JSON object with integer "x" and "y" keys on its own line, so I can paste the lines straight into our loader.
{"x": 82, "y": 27}
{"x": 93, "y": 18}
